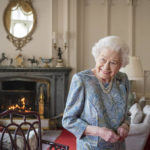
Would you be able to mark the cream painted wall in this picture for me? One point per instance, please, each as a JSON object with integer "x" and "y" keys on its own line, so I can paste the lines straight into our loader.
{"x": 40, "y": 45}
{"x": 142, "y": 31}
{"x": 95, "y": 16}
{"x": 130, "y": 21}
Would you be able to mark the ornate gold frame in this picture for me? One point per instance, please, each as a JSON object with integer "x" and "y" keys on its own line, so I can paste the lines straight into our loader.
{"x": 20, "y": 42}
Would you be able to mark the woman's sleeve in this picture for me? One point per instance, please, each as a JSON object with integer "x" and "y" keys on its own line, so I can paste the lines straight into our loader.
{"x": 74, "y": 107}
{"x": 127, "y": 117}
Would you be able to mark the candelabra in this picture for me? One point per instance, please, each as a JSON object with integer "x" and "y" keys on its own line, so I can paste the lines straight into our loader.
{"x": 60, "y": 50}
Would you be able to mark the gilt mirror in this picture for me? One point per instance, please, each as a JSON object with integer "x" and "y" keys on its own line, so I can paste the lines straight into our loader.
{"x": 20, "y": 22}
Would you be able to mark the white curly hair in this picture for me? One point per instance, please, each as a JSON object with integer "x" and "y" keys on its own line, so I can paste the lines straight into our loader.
{"x": 113, "y": 43}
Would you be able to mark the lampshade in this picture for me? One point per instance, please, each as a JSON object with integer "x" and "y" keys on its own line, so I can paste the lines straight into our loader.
{"x": 134, "y": 69}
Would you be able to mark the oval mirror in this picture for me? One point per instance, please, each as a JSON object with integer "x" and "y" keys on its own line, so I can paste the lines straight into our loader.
{"x": 19, "y": 22}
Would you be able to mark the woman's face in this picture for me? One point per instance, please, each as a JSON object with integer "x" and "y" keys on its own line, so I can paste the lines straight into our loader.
{"x": 108, "y": 64}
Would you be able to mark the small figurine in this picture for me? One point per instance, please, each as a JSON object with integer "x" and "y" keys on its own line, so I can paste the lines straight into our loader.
{"x": 20, "y": 60}
{"x": 33, "y": 61}
{"x": 11, "y": 62}
{"x": 60, "y": 53}
{"x": 60, "y": 62}
{"x": 3, "y": 58}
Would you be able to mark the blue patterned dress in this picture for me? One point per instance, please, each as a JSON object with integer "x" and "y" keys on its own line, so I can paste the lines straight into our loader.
{"x": 87, "y": 105}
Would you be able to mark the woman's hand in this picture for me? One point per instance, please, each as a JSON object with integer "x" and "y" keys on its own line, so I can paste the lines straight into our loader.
{"x": 123, "y": 131}
{"x": 108, "y": 135}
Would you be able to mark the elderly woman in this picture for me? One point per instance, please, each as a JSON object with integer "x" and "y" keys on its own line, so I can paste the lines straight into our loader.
{"x": 96, "y": 109}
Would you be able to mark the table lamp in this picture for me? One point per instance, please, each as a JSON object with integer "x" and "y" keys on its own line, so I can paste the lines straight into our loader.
{"x": 134, "y": 72}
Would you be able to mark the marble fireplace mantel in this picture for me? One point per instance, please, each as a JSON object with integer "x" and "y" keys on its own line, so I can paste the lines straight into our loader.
{"x": 56, "y": 77}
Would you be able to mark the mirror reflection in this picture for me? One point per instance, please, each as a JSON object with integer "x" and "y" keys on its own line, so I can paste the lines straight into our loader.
{"x": 19, "y": 21}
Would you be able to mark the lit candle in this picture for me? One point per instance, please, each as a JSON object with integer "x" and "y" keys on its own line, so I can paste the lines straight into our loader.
{"x": 54, "y": 37}
{"x": 65, "y": 37}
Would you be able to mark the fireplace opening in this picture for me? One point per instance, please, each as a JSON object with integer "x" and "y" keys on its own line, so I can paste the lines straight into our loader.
{"x": 13, "y": 91}
{"x": 19, "y": 85}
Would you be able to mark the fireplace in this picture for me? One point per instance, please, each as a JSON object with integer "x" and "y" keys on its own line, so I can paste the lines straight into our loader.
{"x": 49, "y": 83}
{"x": 15, "y": 89}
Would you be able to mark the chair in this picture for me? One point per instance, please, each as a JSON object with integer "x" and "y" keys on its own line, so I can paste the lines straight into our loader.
{"x": 25, "y": 133}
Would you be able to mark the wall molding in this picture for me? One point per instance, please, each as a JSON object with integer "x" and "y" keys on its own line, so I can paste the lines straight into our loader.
{"x": 114, "y": 2}
{"x": 66, "y": 28}
{"x": 108, "y": 16}
{"x": 132, "y": 27}
{"x": 72, "y": 14}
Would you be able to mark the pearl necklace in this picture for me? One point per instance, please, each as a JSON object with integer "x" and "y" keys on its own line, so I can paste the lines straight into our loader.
{"x": 107, "y": 89}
